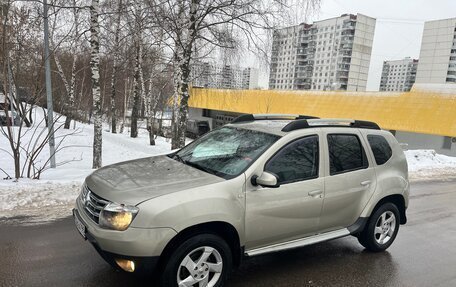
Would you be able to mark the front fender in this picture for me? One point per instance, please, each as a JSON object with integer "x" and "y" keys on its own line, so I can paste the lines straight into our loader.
{"x": 222, "y": 201}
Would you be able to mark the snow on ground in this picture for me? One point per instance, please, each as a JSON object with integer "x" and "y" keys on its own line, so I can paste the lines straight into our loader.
{"x": 54, "y": 194}
{"x": 427, "y": 164}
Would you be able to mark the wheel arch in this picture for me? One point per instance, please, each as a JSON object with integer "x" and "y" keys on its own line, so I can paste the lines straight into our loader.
{"x": 223, "y": 229}
{"x": 396, "y": 199}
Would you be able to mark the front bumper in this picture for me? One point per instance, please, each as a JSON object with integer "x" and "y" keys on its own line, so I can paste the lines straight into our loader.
{"x": 142, "y": 245}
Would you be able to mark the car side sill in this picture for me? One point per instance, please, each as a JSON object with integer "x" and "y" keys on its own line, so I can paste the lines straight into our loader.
{"x": 299, "y": 242}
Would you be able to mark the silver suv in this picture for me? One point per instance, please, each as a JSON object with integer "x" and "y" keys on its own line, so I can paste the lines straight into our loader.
{"x": 263, "y": 183}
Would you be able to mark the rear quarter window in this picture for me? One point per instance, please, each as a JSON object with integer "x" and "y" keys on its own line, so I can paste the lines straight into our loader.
{"x": 380, "y": 148}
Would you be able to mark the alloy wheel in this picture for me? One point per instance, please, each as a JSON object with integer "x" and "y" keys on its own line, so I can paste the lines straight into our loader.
{"x": 202, "y": 267}
{"x": 385, "y": 227}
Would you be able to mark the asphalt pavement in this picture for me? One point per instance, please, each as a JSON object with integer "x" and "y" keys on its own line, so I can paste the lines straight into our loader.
{"x": 424, "y": 254}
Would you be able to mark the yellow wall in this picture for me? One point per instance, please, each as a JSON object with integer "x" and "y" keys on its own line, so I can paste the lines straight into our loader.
{"x": 420, "y": 112}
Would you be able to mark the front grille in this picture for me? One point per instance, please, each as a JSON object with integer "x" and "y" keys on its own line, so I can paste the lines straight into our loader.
{"x": 93, "y": 204}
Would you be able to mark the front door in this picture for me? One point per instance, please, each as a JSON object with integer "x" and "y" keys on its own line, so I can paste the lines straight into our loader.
{"x": 292, "y": 210}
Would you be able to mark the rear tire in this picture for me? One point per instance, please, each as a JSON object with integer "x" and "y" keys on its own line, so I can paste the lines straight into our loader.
{"x": 382, "y": 228}
{"x": 202, "y": 260}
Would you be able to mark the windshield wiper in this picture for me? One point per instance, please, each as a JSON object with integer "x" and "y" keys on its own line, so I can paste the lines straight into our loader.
{"x": 192, "y": 164}
{"x": 179, "y": 158}
{"x": 197, "y": 166}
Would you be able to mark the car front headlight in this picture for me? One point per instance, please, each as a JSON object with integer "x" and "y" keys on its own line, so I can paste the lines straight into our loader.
{"x": 117, "y": 216}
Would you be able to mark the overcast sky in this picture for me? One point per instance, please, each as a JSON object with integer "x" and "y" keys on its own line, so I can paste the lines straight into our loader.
{"x": 398, "y": 30}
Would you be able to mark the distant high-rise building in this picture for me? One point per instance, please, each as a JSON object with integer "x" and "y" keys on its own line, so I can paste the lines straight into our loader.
{"x": 332, "y": 54}
{"x": 399, "y": 75}
{"x": 210, "y": 75}
{"x": 438, "y": 53}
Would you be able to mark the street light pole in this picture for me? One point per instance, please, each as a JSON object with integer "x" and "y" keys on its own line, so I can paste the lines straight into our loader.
{"x": 47, "y": 68}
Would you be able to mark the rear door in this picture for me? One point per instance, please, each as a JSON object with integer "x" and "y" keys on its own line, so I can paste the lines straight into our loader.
{"x": 350, "y": 178}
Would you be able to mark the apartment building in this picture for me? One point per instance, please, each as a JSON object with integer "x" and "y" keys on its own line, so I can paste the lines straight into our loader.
{"x": 399, "y": 75}
{"x": 209, "y": 75}
{"x": 438, "y": 53}
{"x": 332, "y": 54}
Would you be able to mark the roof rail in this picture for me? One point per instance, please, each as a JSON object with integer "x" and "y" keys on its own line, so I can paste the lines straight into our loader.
{"x": 302, "y": 124}
{"x": 257, "y": 117}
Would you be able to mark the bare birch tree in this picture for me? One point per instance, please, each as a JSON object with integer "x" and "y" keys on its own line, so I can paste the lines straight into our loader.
{"x": 115, "y": 66}
{"x": 95, "y": 72}
{"x": 220, "y": 23}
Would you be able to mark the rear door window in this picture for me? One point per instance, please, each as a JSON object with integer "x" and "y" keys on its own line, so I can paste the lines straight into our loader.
{"x": 346, "y": 153}
{"x": 380, "y": 148}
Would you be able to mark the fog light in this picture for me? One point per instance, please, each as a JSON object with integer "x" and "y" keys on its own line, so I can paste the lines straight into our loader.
{"x": 126, "y": 265}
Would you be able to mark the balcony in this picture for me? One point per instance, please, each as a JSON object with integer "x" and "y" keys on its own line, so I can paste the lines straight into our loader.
{"x": 304, "y": 68}
{"x": 305, "y": 62}
{"x": 303, "y": 75}
{"x": 348, "y": 32}
{"x": 303, "y": 87}
{"x": 308, "y": 51}
{"x": 345, "y": 53}
{"x": 345, "y": 47}
{"x": 343, "y": 67}
{"x": 343, "y": 61}
{"x": 342, "y": 75}
{"x": 303, "y": 81}
{"x": 347, "y": 39}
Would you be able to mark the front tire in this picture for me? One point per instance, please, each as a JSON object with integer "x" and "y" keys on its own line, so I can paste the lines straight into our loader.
{"x": 202, "y": 260}
{"x": 381, "y": 229}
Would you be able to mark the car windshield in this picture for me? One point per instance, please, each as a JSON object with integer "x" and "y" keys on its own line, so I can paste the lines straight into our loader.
{"x": 225, "y": 152}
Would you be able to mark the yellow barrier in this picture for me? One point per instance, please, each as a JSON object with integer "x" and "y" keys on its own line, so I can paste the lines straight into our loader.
{"x": 420, "y": 112}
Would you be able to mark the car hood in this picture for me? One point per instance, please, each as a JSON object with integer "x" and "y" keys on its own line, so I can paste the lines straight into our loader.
{"x": 135, "y": 181}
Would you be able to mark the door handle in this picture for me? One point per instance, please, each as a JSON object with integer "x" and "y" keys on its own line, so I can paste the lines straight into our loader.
{"x": 315, "y": 193}
{"x": 366, "y": 183}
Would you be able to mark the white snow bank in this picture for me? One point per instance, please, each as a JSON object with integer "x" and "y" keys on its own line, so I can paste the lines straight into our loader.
{"x": 427, "y": 164}
{"x": 428, "y": 159}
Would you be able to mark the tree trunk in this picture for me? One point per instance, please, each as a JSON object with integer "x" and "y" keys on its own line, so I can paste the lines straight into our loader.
{"x": 183, "y": 76}
{"x": 152, "y": 131}
{"x": 95, "y": 73}
{"x": 114, "y": 70}
{"x": 113, "y": 99}
{"x": 137, "y": 91}
{"x": 183, "y": 106}
{"x": 70, "y": 102}
{"x": 175, "y": 115}
{"x": 124, "y": 106}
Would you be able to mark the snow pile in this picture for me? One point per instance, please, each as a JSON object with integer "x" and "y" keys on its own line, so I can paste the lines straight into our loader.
{"x": 427, "y": 164}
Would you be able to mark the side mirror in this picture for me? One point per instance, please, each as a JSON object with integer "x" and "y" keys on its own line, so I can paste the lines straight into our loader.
{"x": 266, "y": 179}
